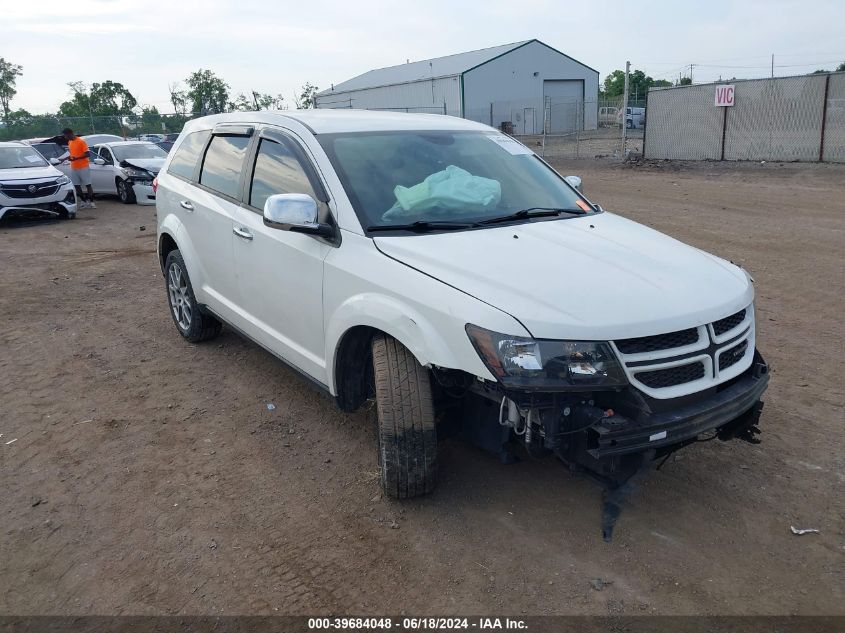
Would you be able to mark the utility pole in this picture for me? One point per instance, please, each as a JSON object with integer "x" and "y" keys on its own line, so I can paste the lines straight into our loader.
{"x": 625, "y": 109}
{"x": 773, "y": 65}
{"x": 691, "y": 66}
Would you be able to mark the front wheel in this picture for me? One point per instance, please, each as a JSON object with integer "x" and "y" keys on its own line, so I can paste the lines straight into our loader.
{"x": 629, "y": 124}
{"x": 193, "y": 324}
{"x": 406, "y": 428}
{"x": 125, "y": 192}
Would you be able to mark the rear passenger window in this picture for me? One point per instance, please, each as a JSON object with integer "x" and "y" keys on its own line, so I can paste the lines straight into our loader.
{"x": 277, "y": 170}
{"x": 184, "y": 161}
{"x": 223, "y": 163}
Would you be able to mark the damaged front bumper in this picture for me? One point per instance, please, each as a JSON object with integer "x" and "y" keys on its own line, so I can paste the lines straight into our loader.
{"x": 609, "y": 433}
{"x": 732, "y": 411}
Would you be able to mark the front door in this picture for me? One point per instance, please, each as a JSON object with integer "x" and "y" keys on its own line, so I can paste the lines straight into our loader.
{"x": 102, "y": 176}
{"x": 280, "y": 273}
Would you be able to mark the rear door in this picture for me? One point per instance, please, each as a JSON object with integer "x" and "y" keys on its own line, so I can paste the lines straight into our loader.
{"x": 203, "y": 185}
{"x": 280, "y": 273}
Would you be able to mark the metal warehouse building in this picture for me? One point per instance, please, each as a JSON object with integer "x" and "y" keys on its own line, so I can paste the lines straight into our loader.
{"x": 528, "y": 85}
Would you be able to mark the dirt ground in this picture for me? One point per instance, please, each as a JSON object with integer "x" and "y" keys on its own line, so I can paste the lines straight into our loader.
{"x": 143, "y": 475}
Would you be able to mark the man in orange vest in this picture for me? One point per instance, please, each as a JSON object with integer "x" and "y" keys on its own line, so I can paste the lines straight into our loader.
{"x": 80, "y": 172}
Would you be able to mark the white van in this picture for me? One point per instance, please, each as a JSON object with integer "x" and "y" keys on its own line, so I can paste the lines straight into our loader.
{"x": 634, "y": 118}
{"x": 441, "y": 268}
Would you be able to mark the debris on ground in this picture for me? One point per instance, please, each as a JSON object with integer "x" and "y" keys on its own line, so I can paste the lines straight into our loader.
{"x": 599, "y": 583}
{"x": 800, "y": 531}
{"x": 271, "y": 406}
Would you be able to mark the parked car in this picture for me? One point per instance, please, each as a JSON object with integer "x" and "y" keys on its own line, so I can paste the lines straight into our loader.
{"x": 634, "y": 118}
{"x": 56, "y": 146}
{"x": 30, "y": 187}
{"x": 94, "y": 139}
{"x": 437, "y": 265}
{"x": 124, "y": 168}
{"x": 151, "y": 138}
{"x": 165, "y": 145}
{"x": 171, "y": 138}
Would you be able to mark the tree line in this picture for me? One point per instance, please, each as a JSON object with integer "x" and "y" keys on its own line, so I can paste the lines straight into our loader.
{"x": 639, "y": 83}
{"x": 110, "y": 107}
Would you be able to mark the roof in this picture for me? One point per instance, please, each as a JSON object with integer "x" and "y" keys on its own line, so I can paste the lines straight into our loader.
{"x": 333, "y": 121}
{"x": 424, "y": 69}
{"x": 435, "y": 68}
{"x": 12, "y": 143}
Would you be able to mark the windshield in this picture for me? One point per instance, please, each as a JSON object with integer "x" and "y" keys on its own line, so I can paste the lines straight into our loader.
{"x": 403, "y": 177}
{"x": 138, "y": 150}
{"x": 20, "y": 156}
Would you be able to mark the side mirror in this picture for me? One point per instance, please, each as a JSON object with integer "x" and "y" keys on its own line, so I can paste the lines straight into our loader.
{"x": 295, "y": 212}
{"x": 99, "y": 161}
{"x": 55, "y": 161}
{"x": 575, "y": 181}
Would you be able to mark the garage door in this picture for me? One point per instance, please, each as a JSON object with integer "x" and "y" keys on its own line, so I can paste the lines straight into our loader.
{"x": 564, "y": 100}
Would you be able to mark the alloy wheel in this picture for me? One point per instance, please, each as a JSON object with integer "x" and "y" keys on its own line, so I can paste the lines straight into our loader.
{"x": 180, "y": 301}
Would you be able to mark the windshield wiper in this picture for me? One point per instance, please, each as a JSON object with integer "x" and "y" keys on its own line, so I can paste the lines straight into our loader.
{"x": 532, "y": 212}
{"x": 422, "y": 226}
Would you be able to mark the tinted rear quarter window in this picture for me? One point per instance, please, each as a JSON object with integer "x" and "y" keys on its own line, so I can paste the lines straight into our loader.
{"x": 223, "y": 163}
{"x": 185, "y": 159}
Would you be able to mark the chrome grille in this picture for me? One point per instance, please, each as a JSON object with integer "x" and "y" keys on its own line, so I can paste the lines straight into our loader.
{"x": 22, "y": 190}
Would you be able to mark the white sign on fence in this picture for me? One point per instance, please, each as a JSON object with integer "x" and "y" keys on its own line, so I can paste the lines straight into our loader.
{"x": 725, "y": 95}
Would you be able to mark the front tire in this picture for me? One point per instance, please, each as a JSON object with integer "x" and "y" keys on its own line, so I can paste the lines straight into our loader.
{"x": 125, "y": 192}
{"x": 193, "y": 324}
{"x": 406, "y": 426}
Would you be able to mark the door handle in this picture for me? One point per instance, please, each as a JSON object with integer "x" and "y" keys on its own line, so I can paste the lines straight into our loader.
{"x": 186, "y": 204}
{"x": 241, "y": 232}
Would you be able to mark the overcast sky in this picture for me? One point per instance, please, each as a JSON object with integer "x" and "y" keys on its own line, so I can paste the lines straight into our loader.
{"x": 276, "y": 45}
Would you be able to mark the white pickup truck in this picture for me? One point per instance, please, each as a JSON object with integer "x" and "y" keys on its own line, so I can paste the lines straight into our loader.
{"x": 443, "y": 269}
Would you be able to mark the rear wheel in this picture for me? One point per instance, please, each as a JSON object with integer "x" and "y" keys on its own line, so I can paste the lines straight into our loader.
{"x": 406, "y": 426}
{"x": 629, "y": 124}
{"x": 192, "y": 323}
{"x": 125, "y": 192}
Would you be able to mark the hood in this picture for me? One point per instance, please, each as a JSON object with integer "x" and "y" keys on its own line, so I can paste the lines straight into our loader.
{"x": 152, "y": 165}
{"x": 598, "y": 277}
{"x": 42, "y": 172}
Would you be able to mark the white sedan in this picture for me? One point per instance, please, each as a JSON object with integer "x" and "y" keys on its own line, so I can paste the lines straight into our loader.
{"x": 123, "y": 168}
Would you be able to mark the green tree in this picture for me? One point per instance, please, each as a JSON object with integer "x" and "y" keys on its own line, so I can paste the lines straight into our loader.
{"x": 638, "y": 84}
{"x": 109, "y": 98}
{"x": 179, "y": 98}
{"x": 307, "y": 97}
{"x": 207, "y": 93}
{"x": 9, "y": 74}
{"x": 685, "y": 81}
{"x": 267, "y": 101}
{"x": 841, "y": 67}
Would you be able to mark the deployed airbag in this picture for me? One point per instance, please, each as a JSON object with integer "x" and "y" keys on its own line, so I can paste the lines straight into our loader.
{"x": 453, "y": 189}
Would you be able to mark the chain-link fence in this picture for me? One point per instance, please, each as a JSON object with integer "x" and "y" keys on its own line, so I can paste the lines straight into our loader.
{"x": 783, "y": 119}
{"x": 46, "y": 126}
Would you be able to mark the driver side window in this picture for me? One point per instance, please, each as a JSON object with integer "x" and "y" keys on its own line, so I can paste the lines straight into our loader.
{"x": 105, "y": 154}
{"x": 278, "y": 170}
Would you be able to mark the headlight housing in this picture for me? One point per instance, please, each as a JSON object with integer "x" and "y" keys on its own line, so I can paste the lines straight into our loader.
{"x": 62, "y": 180}
{"x": 140, "y": 174}
{"x": 546, "y": 365}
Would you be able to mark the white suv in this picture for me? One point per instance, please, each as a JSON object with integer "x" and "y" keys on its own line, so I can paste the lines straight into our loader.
{"x": 30, "y": 187}
{"x": 445, "y": 270}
